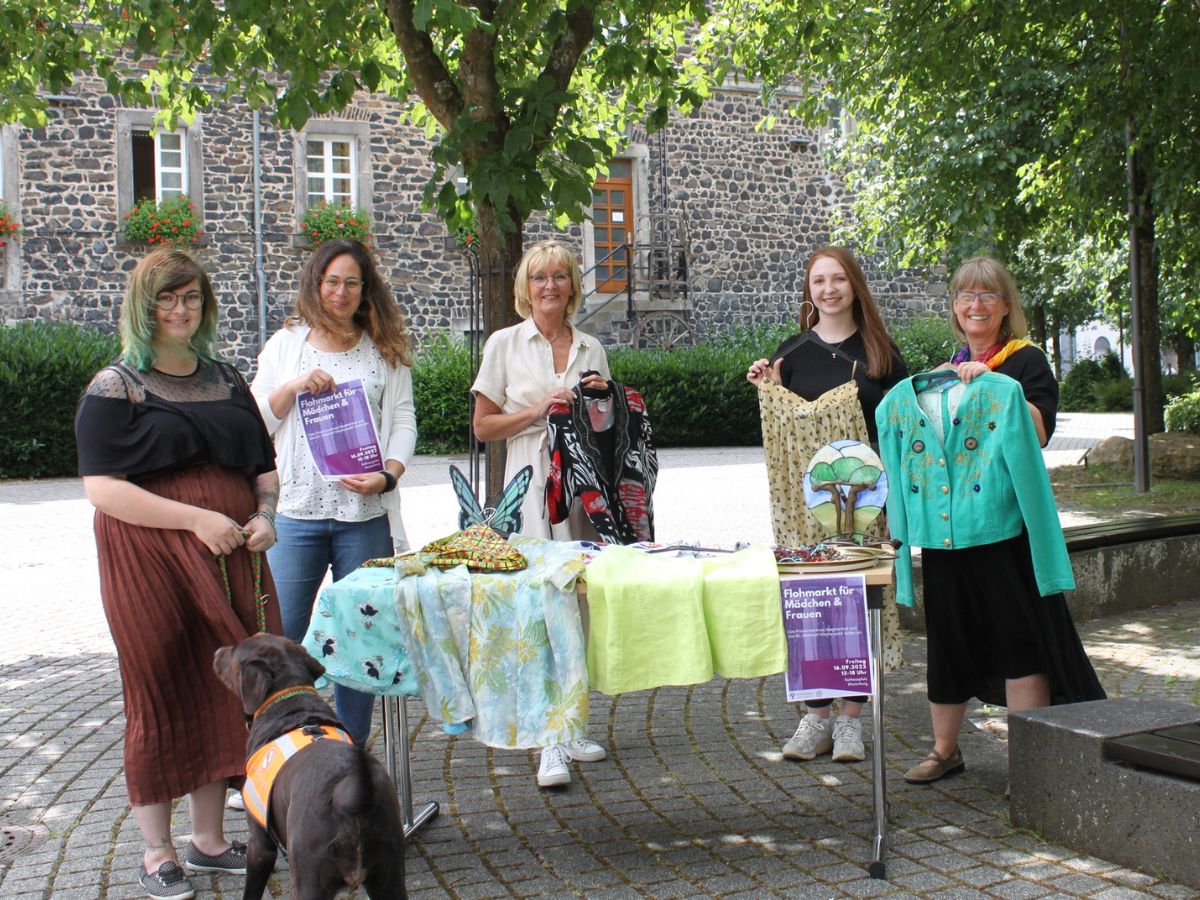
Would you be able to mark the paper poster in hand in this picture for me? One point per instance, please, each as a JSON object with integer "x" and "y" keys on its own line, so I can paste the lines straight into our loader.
{"x": 340, "y": 431}
{"x": 829, "y": 644}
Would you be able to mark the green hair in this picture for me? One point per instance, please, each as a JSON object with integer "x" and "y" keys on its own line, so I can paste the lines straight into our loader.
{"x": 163, "y": 270}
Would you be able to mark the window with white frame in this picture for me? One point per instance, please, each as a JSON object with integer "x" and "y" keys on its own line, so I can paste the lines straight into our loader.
{"x": 156, "y": 165}
{"x": 160, "y": 167}
{"x": 331, "y": 171}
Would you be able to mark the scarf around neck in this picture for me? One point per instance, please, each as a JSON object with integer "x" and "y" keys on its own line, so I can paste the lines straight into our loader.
{"x": 994, "y": 356}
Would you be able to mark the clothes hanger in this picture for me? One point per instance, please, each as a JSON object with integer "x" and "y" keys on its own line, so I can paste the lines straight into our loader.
{"x": 924, "y": 381}
{"x": 807, "y": 336}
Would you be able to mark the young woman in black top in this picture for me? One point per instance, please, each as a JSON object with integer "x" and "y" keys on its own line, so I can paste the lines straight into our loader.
{"x": 842, "y": 338}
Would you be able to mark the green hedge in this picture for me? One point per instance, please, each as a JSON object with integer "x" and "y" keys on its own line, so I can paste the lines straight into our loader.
{"x": 44, "y": 368}
{"x": 697, "y": 396}
{"x": 1183, "y": 413}
{"x": 926, "y": 343}
{"x": 1096, "y": 386}
{"x": 441, "y": 390}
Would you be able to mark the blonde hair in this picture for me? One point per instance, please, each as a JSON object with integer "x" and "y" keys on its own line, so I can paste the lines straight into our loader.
{"x": 989, "y": 274}
{"x": 541, "y": 254}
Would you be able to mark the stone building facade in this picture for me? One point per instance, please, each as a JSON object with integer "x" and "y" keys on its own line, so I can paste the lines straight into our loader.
{"x": 743, "y": 208}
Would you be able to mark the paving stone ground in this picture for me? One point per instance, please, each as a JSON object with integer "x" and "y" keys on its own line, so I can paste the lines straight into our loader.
{"x": 695, "y": 799}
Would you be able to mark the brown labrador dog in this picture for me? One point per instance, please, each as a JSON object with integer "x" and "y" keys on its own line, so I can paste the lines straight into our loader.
{"x": 333, "y": 808}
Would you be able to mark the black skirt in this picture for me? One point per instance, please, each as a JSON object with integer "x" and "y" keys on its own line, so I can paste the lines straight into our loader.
{"x": 986, "y": 623}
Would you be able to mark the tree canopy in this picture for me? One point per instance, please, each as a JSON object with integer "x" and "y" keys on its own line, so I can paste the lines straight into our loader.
{"x": 1000, "y": 125}
{"x": 527, "y": 99}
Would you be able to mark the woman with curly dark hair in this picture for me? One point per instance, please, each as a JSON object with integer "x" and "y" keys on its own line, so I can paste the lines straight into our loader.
{"x": 346, "y": 326}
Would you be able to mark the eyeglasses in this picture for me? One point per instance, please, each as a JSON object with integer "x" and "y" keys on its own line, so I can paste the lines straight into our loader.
{"x": 987, "y": 298}
{"x": 168, "y": 300}
{"x": 332, "y": 284}
{"x": 560, "y": 279}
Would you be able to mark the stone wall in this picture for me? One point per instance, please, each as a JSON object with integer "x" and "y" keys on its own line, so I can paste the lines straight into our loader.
{"x": 755, "y": 202}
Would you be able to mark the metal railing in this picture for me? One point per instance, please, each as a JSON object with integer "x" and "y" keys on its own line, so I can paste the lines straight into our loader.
{"x": 627, "y": 249}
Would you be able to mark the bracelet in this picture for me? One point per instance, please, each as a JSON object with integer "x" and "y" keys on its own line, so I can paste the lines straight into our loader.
{"x": 389, "y": 481}
{"x": 265, "y": 514}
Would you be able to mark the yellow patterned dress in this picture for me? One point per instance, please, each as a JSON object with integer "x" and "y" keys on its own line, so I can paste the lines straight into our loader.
{"x": 794, "y": 429}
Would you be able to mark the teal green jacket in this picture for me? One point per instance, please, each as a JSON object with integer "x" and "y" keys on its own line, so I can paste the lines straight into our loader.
{"x": 983, "y": 484}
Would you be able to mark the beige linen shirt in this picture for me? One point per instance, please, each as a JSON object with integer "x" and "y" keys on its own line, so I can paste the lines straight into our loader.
{"x": 516, "y": 372}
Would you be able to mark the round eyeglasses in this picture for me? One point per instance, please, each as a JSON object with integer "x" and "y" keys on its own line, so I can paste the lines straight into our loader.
{"x": 168, "y": 300}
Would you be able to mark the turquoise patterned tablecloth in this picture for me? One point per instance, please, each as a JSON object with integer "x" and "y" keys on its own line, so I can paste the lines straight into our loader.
{"x": 500, "y": 653}
{"x": 357, "y": 636}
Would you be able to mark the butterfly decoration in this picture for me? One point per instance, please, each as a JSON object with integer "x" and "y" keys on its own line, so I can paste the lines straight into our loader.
{"x": 505, "y": 517}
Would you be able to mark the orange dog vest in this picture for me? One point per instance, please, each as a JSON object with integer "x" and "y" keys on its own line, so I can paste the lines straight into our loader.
{"x": 265, "y": 764}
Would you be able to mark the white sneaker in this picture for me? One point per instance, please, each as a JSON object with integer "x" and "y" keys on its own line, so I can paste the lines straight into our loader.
{"x": 847, "y": 740}
{"x": 235, "y": 801}
{"x": 553, "y": 771}
{"x": 813, "y": 737}
{"x": 583, "y": 750}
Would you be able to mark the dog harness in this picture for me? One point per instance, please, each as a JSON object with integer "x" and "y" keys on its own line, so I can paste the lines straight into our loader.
{"x": 265, "y": 764}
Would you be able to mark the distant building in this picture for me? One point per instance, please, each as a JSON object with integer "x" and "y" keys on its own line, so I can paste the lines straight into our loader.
{"x": 720, "y": 216}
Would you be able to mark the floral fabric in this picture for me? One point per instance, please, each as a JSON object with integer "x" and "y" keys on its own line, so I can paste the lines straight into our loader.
{"x": 501, "y": 651}
{"x": 357, "y": 636}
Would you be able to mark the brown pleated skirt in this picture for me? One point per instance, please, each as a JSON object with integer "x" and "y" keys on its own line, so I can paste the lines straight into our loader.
{"x": 168, "y": 612}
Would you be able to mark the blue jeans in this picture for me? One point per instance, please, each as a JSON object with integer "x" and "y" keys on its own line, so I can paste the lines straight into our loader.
{"x": 304, "y": 550}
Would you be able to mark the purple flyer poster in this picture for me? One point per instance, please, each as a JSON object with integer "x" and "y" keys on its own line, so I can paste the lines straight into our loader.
{"x": 829, "y": 649}
{"x": 340, "y": 431}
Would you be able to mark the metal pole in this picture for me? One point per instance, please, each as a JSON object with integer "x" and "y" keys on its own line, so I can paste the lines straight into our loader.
{"x": 1141, "y": 440}
{"x": 877, "y": 868}
{"x": 260, "y": 274}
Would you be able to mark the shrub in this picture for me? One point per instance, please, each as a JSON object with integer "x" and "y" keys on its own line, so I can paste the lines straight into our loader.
{"x": 44, "y": 368}
{"x": 326, "y": 222}
{"x": 1183, "y": 413}
{"x": 1179, "y": 384}
{"x": 1078, "y": 390}
{"x": 173, "y": 221}
{"x": 1112, "y": 367}
{"x": 925, "y": 343}
{"x": 1114, "y": 396}
{"x": 441, "y": 392}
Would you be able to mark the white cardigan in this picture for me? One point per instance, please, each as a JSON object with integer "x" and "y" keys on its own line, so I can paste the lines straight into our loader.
{"x": 280, "y": 362}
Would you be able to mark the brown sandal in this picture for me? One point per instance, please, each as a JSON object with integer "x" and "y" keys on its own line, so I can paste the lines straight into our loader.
{"x": 934, "y": 767}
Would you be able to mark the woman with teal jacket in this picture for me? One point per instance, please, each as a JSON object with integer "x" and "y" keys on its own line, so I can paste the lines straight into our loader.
{"x": 968, "y": 485}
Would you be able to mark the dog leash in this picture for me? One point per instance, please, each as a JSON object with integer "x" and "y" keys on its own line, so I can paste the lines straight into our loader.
{"x": 260, "y": 599}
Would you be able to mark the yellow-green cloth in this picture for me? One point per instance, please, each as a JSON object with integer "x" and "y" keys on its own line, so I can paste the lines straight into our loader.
{"x": 658, "y": 620}
{"x": 743, "y": 615}
{"x": 646, "y": 615}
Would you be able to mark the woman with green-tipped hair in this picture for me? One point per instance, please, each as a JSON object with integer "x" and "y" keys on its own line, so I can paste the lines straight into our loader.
{"x": 181, "y": 470}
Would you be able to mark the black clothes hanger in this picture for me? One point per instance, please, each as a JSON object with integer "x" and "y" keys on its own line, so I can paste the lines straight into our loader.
{"x": 806, "y": 337}
{"x": 594, "y": 393}
{"x": 926, "y": 380}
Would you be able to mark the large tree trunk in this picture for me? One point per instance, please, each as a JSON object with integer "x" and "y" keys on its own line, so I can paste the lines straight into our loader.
{"x": 499, "y": 255}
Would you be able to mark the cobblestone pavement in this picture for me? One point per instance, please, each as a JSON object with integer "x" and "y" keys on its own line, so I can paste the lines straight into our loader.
{"x": 694, "y": 800}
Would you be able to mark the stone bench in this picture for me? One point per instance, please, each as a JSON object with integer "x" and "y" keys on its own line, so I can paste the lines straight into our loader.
{"x": 1119, "y": 567}
{"x": 1066, "y": 788}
